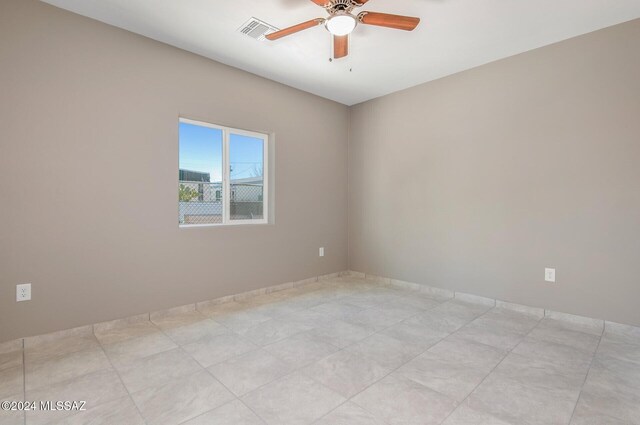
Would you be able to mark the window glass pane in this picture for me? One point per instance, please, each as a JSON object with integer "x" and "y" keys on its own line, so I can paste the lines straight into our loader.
{"x": 200, "y": 175}
{"x": 246, "y": 171}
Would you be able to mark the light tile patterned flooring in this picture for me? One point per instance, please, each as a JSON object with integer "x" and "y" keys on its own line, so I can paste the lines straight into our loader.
{"x": 337, "y": 352}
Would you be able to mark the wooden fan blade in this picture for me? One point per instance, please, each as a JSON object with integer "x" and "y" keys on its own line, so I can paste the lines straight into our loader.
{"x": 398, "y": 22}
{"x": 340, "y": 46}
{"x": 294, "y": 29}
{"x": 361, "y": 2}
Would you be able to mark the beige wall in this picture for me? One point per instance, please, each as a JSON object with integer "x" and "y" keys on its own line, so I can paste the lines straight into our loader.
{"x": 475, "y": 182}
{"x": 89, "y": 167}
{"x": 479, "y": 181}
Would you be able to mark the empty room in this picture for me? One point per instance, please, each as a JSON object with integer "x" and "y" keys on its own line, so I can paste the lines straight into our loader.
{"x": 327, "y": 212}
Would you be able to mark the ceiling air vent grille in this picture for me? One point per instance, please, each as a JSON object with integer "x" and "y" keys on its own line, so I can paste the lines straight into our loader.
{"x": 257, "y": 29}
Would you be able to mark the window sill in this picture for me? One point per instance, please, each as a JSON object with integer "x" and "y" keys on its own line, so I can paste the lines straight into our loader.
{"x": 242, "y": 223}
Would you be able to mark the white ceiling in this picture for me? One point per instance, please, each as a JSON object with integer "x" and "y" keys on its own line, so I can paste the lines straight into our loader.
{"x": 454, "y": 35}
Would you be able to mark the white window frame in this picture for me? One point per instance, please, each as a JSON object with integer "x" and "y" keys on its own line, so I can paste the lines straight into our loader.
{"x": 226, "y": 178}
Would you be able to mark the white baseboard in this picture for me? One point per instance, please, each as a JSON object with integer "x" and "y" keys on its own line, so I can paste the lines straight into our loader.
{"x": 19, "y": 343}
{"x": 519, "y": 308}
{"x": 475, "y": 299}
{"x": 588, "y": 324}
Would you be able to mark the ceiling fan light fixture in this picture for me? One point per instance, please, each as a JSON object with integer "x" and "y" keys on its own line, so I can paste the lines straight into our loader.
{"x": 341, "y": 24}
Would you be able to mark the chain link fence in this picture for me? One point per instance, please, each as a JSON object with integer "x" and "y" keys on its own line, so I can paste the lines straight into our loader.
{"x": 202, "y": 203}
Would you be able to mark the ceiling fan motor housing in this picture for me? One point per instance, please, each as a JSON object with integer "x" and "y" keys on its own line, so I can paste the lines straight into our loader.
{"x": 335, "y": 7}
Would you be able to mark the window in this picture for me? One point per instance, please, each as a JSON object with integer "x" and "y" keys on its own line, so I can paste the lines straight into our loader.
{"x": 222, "y": 175}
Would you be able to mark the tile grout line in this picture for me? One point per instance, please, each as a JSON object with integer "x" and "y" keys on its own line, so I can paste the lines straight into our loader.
{"x": 348, "y": 399}
{"x": 119, "y": 377}
{"x": 494, "y": 368}
{"x": 393, "y": 370}
{"x": 584, "y": 381}
{"x": 78, "y": 377}
{"x": 236, "y": 397}
{"x": 204, "y": 369}
{"x": 339, "y": 350}
{"x": 294, "y": 370}
{"x": 259, "y": 347}
{"x": 24, "y": 380}
{"x": 243, "y": 301}
{"x": 181, "y": 348}
{"x": 509, "y": 352}
{"x": 441, "y": 339}
{"x": 440, "y": 302}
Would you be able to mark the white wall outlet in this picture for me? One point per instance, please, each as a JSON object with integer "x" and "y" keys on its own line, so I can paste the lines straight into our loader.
{"x": 321, "y": 251}
{"x": 23, "y": 292}
{"x": 550, "y": 275}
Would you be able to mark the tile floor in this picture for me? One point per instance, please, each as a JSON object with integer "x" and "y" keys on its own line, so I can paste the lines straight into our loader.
{"x": 339, "y": 352}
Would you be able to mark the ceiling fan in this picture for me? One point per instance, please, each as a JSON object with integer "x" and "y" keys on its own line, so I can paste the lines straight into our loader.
{"x": 341, "y": 22}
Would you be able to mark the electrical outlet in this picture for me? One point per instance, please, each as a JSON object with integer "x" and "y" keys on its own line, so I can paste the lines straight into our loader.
{"x": 321, "y": 251}
{"x": 550, "y": 275}
{"x": 23, "y": 292}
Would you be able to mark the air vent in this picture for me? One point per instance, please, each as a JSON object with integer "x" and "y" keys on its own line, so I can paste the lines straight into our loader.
{"x": 257, "y": 29}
